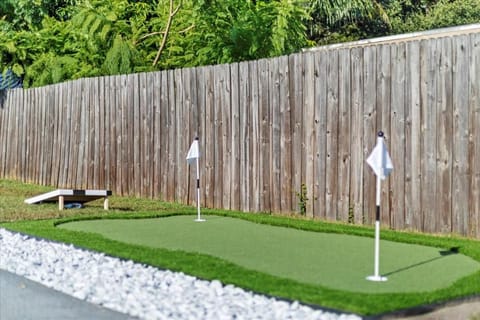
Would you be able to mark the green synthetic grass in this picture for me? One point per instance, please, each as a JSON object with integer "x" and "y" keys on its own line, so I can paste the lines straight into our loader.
{"x": 13, "y": 213}
{"x": 337, "y": 261}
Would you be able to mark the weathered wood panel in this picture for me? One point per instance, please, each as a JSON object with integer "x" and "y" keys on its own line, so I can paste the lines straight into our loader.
{"x": 397, "y": 134}
{"x": 331, "y": 171}
{"x": 319, "y": 189}
{"x": 267, "y": 127}
{"x": 461, "y": 134}
{"x": 357, "y": 159}
{"x": 474, "y": 152}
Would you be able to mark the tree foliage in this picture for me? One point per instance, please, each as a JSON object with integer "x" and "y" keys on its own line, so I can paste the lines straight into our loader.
{"x": 49, "y": 41}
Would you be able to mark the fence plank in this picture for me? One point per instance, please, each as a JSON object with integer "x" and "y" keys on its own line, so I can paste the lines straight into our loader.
{"x": 286, "y": 191}
{"x": 225, "y": 134}
{"x": 308, "y": 134}
{"x": 383, "y": 119}
{"x": 461, "y": 184}
{"x": 344, "y": 135}
{"x": 428, "y": 87}
{"x": 155, "y": 88}
{"x": 255, "y": 146}
{"x": 165, "y": 119}
{"x": 332, "y": 137}
{"x": 357, "y": 159}
{"x": 321, "y": 61}
{"x": 369, "y": 129}
{"x": 171, "y": 146}
{"x": 296, "y": 102}
{"x": 235, "y": 135}
{"x": 397, "y": 134}
{"x": 209, "y": 140}
{"x": 413, "y": 133}
{"x": 265, "y": 127}
{"x": 244, "y": 114}
{"x": 444, "y": 135}
{"x": 182, "y": 134}
{"x": 474, "y": 152}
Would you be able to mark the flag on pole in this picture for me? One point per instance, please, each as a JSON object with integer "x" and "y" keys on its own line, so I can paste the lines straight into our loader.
{"x": 382, "y": 166}
{"x": 192, "y": 158}
{"x": 379, "y": 160}
{"x": 193, "y": 153}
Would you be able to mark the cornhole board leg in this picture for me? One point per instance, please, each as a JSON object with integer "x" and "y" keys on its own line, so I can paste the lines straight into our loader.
{"x": 105, "y": 203}
{"x": 61, "y": 203}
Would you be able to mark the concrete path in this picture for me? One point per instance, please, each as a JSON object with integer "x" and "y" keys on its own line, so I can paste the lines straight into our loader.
{"x": 21, "y": 298}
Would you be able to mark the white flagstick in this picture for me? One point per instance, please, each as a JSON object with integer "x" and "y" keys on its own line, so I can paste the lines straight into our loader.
{"x": 381, "y": 164}
{"x": 194, "y": 155}
{"x": 199, "y": 218}
{"x": 376, "y": 276}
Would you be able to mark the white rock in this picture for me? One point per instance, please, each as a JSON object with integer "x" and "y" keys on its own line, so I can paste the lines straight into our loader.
{"x": 139, "y": 290}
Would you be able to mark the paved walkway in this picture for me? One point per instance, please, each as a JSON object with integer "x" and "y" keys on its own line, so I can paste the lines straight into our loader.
{"x": 21, "y": 298}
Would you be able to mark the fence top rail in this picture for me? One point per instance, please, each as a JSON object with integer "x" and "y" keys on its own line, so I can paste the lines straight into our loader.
{"x": 414, "y": 36}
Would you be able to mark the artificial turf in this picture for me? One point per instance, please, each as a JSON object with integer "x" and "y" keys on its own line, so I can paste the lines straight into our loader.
{"x": 336, "y": 261}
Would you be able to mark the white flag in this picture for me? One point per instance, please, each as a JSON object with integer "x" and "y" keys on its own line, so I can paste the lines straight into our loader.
{"x": 193, "y": 153}
{"x": 380, "y": 160}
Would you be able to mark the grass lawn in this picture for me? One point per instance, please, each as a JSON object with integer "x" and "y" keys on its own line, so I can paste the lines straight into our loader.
{"x": 336, "y": 261}
{"x": 294, "y": 258}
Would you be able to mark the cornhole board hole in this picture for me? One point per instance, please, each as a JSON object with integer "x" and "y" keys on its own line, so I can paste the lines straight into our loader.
{"x": 69, "y": 195}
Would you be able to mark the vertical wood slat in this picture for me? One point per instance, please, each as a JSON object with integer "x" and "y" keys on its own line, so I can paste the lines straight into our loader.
{"x": 429, "y": 132}
{"x": 164, "y": 137}
{"x": 344, "y": 135}
{"x": 265, "y": 119}
{"x": 383, "y": 104}
{"x": 460, "y": 186}
{"x": 296, "y": 101}
{"x": 275, "y": 151}
{"x": 146, "y": 86}
{"x": 397, "y": 134}
{"x": 245, "y": 121}
{"x": 182, "y": 125}
{"x": 172, "y": 158}
{"x": 219, "y": 127}
{"x": 235, "y": 138}
{"x": 254, "y": 150}
{"x": 135, "y": 141}
{"x": 474, "y": 152}
{"x": 209, "y": 138}
{"x": 357, "y": 159}
{"x": 194, "y": 127}
{"x": 413, "y": 219}
{"x": 308, "y": 118}
{"x": 319, "y": 189}
{"x": 369, "y": 129}
{"x": 444, "y": 136}
{"x": 286, "y": 192}
{"x": 224, "y": 103}
{"x": 331, "y": 190}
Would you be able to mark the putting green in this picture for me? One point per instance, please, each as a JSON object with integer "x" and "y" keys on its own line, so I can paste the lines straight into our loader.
{"x": 332, "y": 260}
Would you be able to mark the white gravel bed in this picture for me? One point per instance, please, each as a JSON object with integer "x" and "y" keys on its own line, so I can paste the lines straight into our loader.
{"x": 139, "y": 290}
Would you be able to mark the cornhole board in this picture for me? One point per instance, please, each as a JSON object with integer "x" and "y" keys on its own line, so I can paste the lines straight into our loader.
{"x": 69, "y": 195}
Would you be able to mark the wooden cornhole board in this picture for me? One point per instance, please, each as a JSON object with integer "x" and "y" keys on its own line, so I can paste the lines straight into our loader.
{"x": 69, "y": 195}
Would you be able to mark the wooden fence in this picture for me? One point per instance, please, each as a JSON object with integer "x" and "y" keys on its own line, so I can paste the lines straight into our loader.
{"x": 266, "y": 127}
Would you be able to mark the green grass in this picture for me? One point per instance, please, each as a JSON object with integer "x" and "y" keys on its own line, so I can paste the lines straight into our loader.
{"x": 207, "y": 266}
{"x": 337, "y": 261}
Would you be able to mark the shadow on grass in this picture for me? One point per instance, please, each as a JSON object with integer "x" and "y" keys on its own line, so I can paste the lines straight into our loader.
{"x": 443, "y": 253}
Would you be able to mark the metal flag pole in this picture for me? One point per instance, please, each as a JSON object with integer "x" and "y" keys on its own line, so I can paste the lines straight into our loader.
{"x": 199, "y": 218}
{"x": 194, "y": 155}
{"x": 381, "y": 164}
